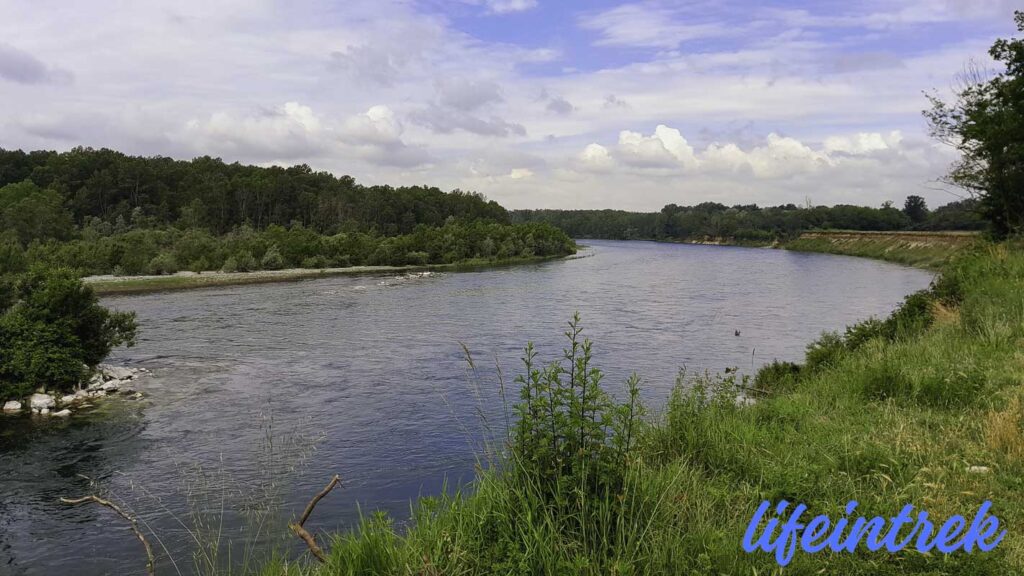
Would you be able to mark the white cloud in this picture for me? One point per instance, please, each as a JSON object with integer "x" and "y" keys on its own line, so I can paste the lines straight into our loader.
{"x": 645, "y": 25}
{"x": 596, "y": 157}
{"x": 291, "y": 131}
{"x": 863, "y": 143}
{"x": 509, "y": 6}
{"x": 666, "y": 147}
{"x": 520, "y": 173}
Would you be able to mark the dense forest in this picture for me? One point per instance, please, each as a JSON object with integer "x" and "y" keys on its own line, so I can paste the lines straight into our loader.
{"x": 100, "y": 211}
{"x": 754, "y": 224}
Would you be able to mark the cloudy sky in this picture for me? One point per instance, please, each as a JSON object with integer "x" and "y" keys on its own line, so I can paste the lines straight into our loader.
{"x": 535, "y": 103}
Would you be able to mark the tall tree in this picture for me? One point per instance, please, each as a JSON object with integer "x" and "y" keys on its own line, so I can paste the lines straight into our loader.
{"x": 916, "y": 209}
{"x": 986, "y": 124}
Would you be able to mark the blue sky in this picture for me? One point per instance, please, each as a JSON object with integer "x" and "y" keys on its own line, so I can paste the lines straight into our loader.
{"x": 535, "y": 103}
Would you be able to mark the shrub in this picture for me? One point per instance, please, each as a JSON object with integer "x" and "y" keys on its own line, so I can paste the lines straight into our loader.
{"x": 572, "y": 442}
{"x": 272, "y": 259}
{"x": 53, "y": 329}
{"x": 777, "y": 377}
{"x": 230, "y": 265}
{"x": 315, "y": 262}
{"x": 417, "y": 258}
{"x": 825, "y": 351}
{"x": 163, "y": 263}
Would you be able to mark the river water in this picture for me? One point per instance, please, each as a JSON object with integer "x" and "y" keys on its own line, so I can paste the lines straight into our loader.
{"x": 258, "y": 394}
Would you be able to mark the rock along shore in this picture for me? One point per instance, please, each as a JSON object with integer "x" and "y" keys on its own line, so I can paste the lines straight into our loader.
{"x": 106, "y": 381}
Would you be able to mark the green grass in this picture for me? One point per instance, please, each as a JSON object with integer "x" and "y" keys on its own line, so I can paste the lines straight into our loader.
{"x": 925, "y": 249}
{"x": 890, "y": 413}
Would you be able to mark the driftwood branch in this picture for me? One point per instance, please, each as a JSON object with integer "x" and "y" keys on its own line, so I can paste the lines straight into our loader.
{"x": 150, "y": 567}
{"x": 301, "y": 532}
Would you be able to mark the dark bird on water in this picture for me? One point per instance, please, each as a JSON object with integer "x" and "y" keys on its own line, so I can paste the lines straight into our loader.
{"x": 737, "y": 332}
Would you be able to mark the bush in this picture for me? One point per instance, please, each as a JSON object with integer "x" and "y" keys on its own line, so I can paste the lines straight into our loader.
{"x": 163, "y": 263}
{"x": 417, "y": 258}
{"x": 315, "y": 262}
{"x": 52, "y": 330}
{"x": 272, "y": 259}
{"x": 777, "y": 377}
{"x": 572, "y": 442}
{"x": 825, "y": 351}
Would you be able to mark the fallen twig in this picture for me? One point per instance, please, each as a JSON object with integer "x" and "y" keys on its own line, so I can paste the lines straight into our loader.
{"x": 150, "y": 567}
{"x": 301, "y": 532}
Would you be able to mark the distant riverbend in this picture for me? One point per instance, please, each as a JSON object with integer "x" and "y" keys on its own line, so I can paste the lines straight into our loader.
{"x": 369, "y": 369}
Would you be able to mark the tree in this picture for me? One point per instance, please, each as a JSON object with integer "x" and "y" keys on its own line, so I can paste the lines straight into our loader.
{"x": 52, "y": 329}
{"x": 986, "y": 124}
{"x": 916, "y": 209}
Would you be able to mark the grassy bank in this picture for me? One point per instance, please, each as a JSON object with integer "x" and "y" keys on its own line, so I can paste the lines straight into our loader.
{"x": 110, "y": 285}
{"x": 924, "y": 408}
{"x": 924, "y": 249}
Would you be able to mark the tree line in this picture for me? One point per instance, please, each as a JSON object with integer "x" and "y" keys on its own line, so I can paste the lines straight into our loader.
{"x": 752, "y": 223}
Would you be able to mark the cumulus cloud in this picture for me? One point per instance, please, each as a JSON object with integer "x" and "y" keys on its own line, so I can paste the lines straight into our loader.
{"x": 776, "y": 157}
{"x": 595, "y": 158}
{"x": 377, "y": 135}
{"x": 21, "y": 67}
{"x": 291, "y": 131}
{"x": 520, "y": 173}
{"x": 665, "y": 148}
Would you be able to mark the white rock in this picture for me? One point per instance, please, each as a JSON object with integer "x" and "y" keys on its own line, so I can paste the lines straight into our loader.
{"x": 117, "y": 372}
{"x": 41, "y": 401}
{"x": 82, "y": 394}
{"x": 111, "y": 386}
{"x": 978, "y": 469}
{"x": 12, "y": 406}
{"x": 44, "y": 411}
{"x": 68, "y": 399}
{"x": 63, "y": 413}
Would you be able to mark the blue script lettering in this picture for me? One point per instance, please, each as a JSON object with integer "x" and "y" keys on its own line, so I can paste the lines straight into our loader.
{"x": 782, "y": 537}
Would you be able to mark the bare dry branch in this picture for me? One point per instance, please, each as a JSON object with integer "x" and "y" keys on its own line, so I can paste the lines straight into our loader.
{"x": 150, "y": 565}
{"x": 301, "y": 532}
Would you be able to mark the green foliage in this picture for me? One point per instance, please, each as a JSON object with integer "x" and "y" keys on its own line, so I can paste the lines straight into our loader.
{"x": 777, "y": 377}
{"x": 163, "y": 263}
{"x": 825, "y": 352}
{"x": 135, "y": 192}
{"x": 986, "y": 124}
{"x": 916, "y": 209}
{"x": 33, "y": 213}
{"x": 52, "y": 330}
{"x": 750, "y": 223}
{"x": 572, "y": 440}
{"x": 272, "y": 259}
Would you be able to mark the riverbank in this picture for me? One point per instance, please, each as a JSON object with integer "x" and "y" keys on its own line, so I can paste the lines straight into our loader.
{"x": 111, "y": 285}
{"x": 924, "y": 408}
{"x": 924, "y": 249}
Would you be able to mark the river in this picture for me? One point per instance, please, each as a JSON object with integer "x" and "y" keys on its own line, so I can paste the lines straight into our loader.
{"x": 259, "y": 393}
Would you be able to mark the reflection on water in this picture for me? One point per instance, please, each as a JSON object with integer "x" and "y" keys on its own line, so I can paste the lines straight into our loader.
{"x": 247, "y": 380}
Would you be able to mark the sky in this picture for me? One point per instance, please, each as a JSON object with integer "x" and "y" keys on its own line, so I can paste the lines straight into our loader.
{"x": 534, "y": 103}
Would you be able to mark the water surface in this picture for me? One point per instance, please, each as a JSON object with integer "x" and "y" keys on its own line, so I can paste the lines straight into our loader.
{"x": 370, "y": 372}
